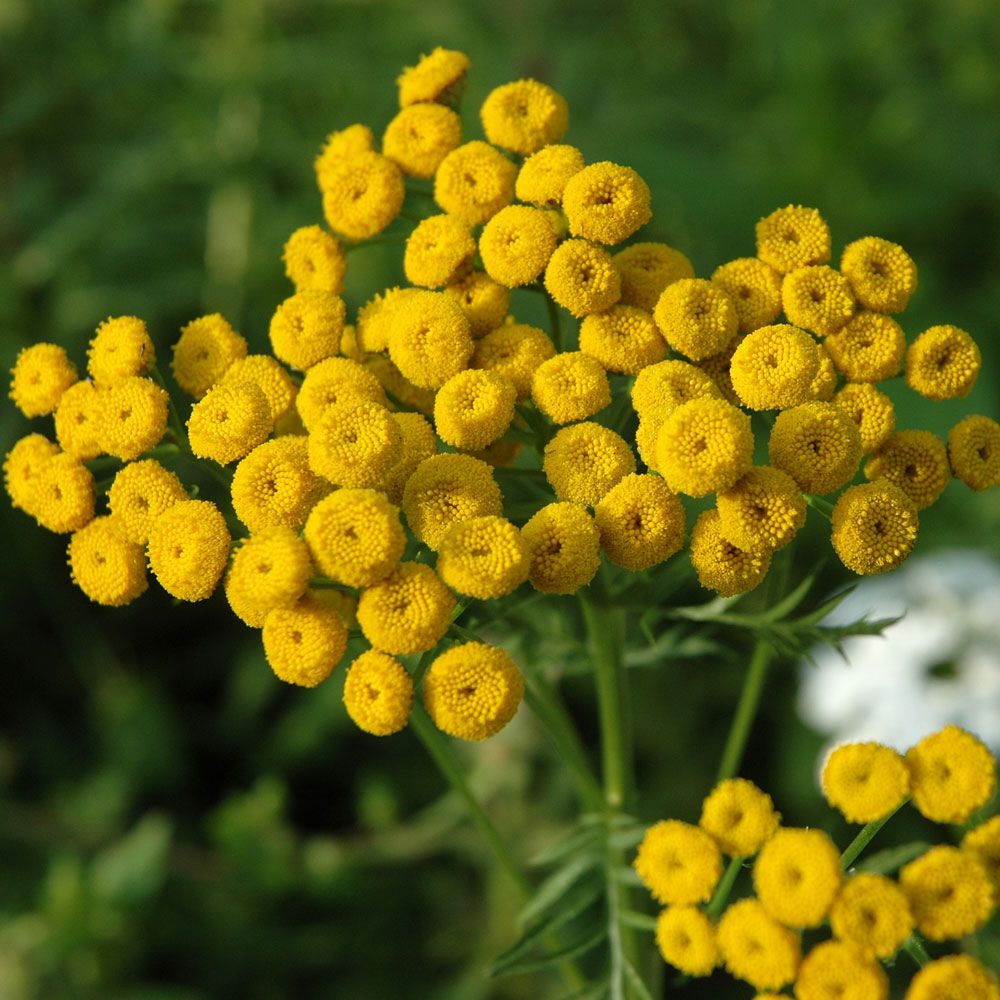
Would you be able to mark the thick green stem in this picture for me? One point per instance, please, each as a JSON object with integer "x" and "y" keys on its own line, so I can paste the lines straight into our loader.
{"x": 914, "y": 947}
{"x": 865, "y": 836}
{"x": 746, "y": 712}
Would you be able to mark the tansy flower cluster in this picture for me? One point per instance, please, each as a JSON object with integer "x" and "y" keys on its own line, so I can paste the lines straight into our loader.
{"x": 803, "y": 883}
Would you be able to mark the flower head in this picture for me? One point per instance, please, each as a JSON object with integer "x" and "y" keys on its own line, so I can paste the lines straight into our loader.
{"x": 583, "y": 461}
{"x": 974, "y": 452}
{"x": 139, "y": 494}
{"x": 418, "y": 443}
{"x": 874, "y": 527}
{"x": 623, "y": 339}
{"x": 77, "y": 420}
{"x": 305, "y": 642}
{"x": 40, "y": 376}
{"x": 105, "y": 565}
{"x": 514, "y": 351}
{"x": 739, "y": 817}
{"x": 641, "y": 522}
{"x": 817, "y": 444}
{"x": 362, "y": 193}
{"x": 916, "y": 462}
{"x": 188, "y": 549}
{"x": 62, "y": 499}
{"x": 269, "y": 376}
{"x": 954, "y": 977}
{"x": 838, "y": 969}
{"x": 315, "y": 261}
{"x": 696, "y": 317}
{"x": 754, "y": 287}
{"x": 484, "y": 301}
{"x": 984, "y": 842}
{"x": 865, "y": 781}
{"x": 570, "y": 386}
{"x": 22, "y": 470}
{"x": 582, "y": 278}
{"x": 439, "y": 250}
{"x": 334, "y": 381}
{"x": 420, "y": 137}
{"x": 229, "y": 422}
{"x": 406, "y": 612}
{"x": 516, "y": 245}
{"x": 797, "y": 876}
{"x": 340, "y": 145}
{"x": 943, "y": 363}
{"x": 274, "y": 485}
{"x": 686, "y": 940}
{"x": 817, "y": 298}
{"x": 524, "y": 116}
{"x": 949, "y": 891}
{"x": 474, "y": 181}
{"x": 355, "y": 443}
{"x": 375, "y": 317}
{"x": 679, "y": 863}
{"x": 378, "y": 693}
{"x": 756, "y": 948}
{"x": 774, "y": 367}
{"x": 307, "y": 328}
{"x": 474, "y": 408}
{"x": 872, "y": 914}
{"x": 763, "y": 511}
{"x": 793, "y": 237}
{"x": 564, "y": 547}
{"x": 120, "y": 347}
{"x": 543, "y": 175}
{"x": 871, "y": 410}
{"x": 722, "y": 566}
{"x": 952, "y": 773}
{"x": 430, "y": 339}
{"x": 646, "y": 269}
{"x": 483, "y": 557}
{"x": 606, "y": 202}
{"x": 661, "y": 388}
{"x": 132, "y": 417}
{"x": 434, "y": 78}
{"x": 868, "y": 348}
{"x": 270, "y": 570}
{"x": 207, "y": 347}
{"x": 882, "y": 274}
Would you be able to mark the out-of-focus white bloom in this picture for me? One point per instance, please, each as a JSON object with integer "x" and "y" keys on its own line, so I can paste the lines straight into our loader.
{"x": 940, "y": 664}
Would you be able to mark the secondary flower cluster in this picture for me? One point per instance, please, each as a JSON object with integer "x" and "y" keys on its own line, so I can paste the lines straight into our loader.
{"x": 800, "y": 883}
{"x": 364, "y": 450}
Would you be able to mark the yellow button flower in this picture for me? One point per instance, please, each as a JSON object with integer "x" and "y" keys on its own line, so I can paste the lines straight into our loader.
{"x": 696, "y": 318}
{"x": 77, "y": 420}
{"x": 984, "y": 842}
{"x": 943, "y": 363}
{"x": 624, "y": 339}
{"x": 882, "y": 274}
{"x": 824, "y": 385}
{"x": 756, "y": 948}
{"x": 754, "y": 287}
{"x": 874, "y": 527}
{"x": 867, "y": 349}
{"x": 484, "y": 301}
{"x": 641, "y": 522}
{"x": 646, "y": 269}
{"x": 229, "y": 422}
{"x": 105, "y": 565}
{"x": 268, "y": 571}
{"x": 949, "y": 891}
{"x": 474, "y": 408}
{"x": 22, "y": 469}
{"x": 582, "y": 462}
{"x": 418, "y": 443}
{"x": 272, "y": 380}
{"x": 739, "y": 817}
{"x": 523, "y": 116}
{"x": 686, "y": 940}
{"x": 916, "y": 462}
{"x": 362, "y": 194}
{"x": 120, "y": 347}
{"x": 516, "y": 245}
{"x": 872, "y": 411}
{"x": 514, "y": 351}
{"x": 797, "y": 876}
{"x": 793, "y": 237}
{"x": 661, "y": 388}
{"x": 606, "y": 203}
{"x": 974, "y": 452}
{"x": 763, "y": 511}
{"x": 564, "y": 545}
{"x": 274, "y": 485}
{"x": 406, "y": 612}
{"x": 339, "y": 145}
{"x": 378, "y": 693}
{"x": 483, "y": 557}
{"x": 445, "y": 490}
{"x": 817, "y": 298}
{"x": 837, "y": 969}
{"x": 678, "y": 863}
{"x": 543, "y": 175}
{"x": 306, "y": 328}
{"x": 872, "y": 914}
{"x": 474, "y": 182}
{"x": 315, "y": 261}
{"x": 188, "y": 549}
{"x": 952, "y": 774}
{"x": 375, "y": 317}
{"x": 436, "y": 77}
{"x": 430, "y": 339}
{"x": 439, "y": 250}
{"x": 954, "y": 977}
{"x": 472, "y": 691}
{"x": 704, "y": 446}
{"x": 720, "y": 565}
{"x": 571, "y": 386}
{"x": 304, "y": 643}
{"x": 207, "y": 347}
{"x": 355, "y": 443}
{"x": 332, "y": 381}
{"x": 865, "y": 781}
{"x": 716, "y": 366}
{"x": 773, "y": 368}
{"x": 582, "y": 278}
{"x": 40, "y": 376}
{"x": 420, "y": 137}
{"x": 132, "y": 417}
{"x": 817, "y": 444}
{"x": 139, "y": 494}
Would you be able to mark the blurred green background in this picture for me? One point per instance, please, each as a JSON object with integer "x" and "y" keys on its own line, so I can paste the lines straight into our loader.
{"x": 175, "y": 824}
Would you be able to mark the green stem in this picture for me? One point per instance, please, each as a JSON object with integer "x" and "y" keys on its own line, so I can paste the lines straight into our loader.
{"x": 914, "y": 947}
{"x": 865, "y": 836}
{"x": 721, "y": 895}
{"x": 746, "y": 712}
{"x": 821, "y": 506}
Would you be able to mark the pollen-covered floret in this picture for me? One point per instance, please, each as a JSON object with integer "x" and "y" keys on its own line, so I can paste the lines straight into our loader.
{"x": 120, "y": 347}
{"x": 952, "y": 773}
{"x": 720, "y": 565}
{"x": 817, "y": 298}
{"x": 523, "y": 116}
{"x": 754, "y": 287}
{"x": 797, "y": 876}
{"x": 583, "y": 461}
{"x": 949, "y": 891}
{"x": 974, "y": 452}
{"x": 315, "y": 261}
{"x": 984, "y": 842}
{"x": 22, "y": 470}
{"x": 641, "y": 522}
{"x": 378, "y": 693}
{"x": 207, "y": 347}
{"x": 916, "y": 462}
{"x": 543, "y": 175}
{"x": 268, "y": 571}
{"x": 62, "y": 499}
{"x": 817, "y": 444}
{"x": 334, "y": 381}
{"x": 40, "y": 376}
{"x": 516, "y": 245}
{"x": 685, "y": 938}
{"x": 882, "y": 274}
{"x": 865, "y": 781}
{"x": 514, "y": 351}
{"x": 355, "y": 443}
{"x": 77, "y": 420}
{"x": 678, "y": 863}
{"x": 439, "y": 250}
{"x": 132, "y": 417}
{"x": 696, "y": 317}
{"x": 564, "y": 546}
{"x": 474, "y": 182}
{"x": 375, "y": 318}
{"x": 623, "y": 339}
{"x": 871, "y": 410}
{"x": 582, "y": 278}
{"x": 483, "y": 557}
{"x": 339, "y": 145}
{"x": 774, "y": 367}
{"x": 305, "y": 642}
{"x": 484, "y": 301}
{"x": 418, "y": 443}
{"x": 739, "y": 817}
{"x": 662, "y": 387}
{"x": 874, "y": 527}
{"x": 756, "y": 948}
{"x": 763, "y": 511}
{"x": 229, "y": 422}
{"x": 362, "y": 194}
{"x": 269, "y": 376}
{"x": 108, "y": 567}
{"x": 420, "y": 137}
{"x": 274, "y": 484}
{"x": 474, "y": 408}
{"x": 307, "y": 328}
{"x": 188, "y": 549}
{"x": 871, "y": 913}
{"x": 943, "y": 363}
{"x": 954, "y": 977}
{"x": 793, "y": 237}
{"x": 646, "y": 269}
{"x": 838, "y": 969}
{"x": 139, "y": 494}
{"x": 869, "y": 348}
{"x": 430, "y": 339}
{"x": 606, "y": 202}
{"x": 571, "y": 386}
{"x": 436, "y": 77}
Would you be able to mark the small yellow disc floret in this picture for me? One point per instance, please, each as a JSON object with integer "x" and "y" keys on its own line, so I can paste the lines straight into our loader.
{"x": 952, "y": 774}
{"x": 78, "y": 420}
{"x": 474, "y": 182}
{"x": 916, "y": 462}
{"x": 307, "y": 327}
{"x": 315, "y": 261}
{"x": 817, "y": 444}
{"x": 685, "y": 938}
{"x": 954, "y": 977}
{"x": 943, "y": 363}
{"x": 564, "y": 545}
{"x": 207, "y": 347}
{"x": 647, "y": 269}
{"x": 874, "y": 527}
{"x": 720, "y": 565}
{"x": 229, "y": 422}
{"x": 339, "y": 145}
{"x": 139, "y": 494}
{"x": 837, "y": 969}
{"x": 763, "y": 511}
{"x": 543, "y": 175}
{"x": 818, "y": 299}
{"x": 516, "y": 245}
{"x": 333, "y": 381}
{"x": 872, "y": 914}
{"x": 797, "y": 876}
{"x": 430, "y": 339}
{"x": 514, "y": 351}
{"x": 268, "y": 571}
{"x": 793, "y": 237}
{"x": 274, "y": 484}
{"x": 105, "y": 565}
{"x": 571, "y": 386}
{"x": 523, "y": 116}
{"x": 269, "y": 376}
{"x": 754, "y": 287}
{"x": 62, "y": 499}
{"x": 132, "y": 417}
{"x": 984, "y": 842}
{"x": 484, "y": 301}
{"x": 22, "y": 470}
{"x": 582, "y": 462}
{"x": 582, "y": 278}
{"x": 773, "y": 368}
{"x": 624, "y": 339}
{"x": 474, "y": 408}
{"x": 435, "y": 77}
{"x": 865, "y": 781}
{"x": 641, "y": 522}
{"x": 872, "y": 411}
{"x": 483, "y": 557}
{"x": 678, "y": 863}
{"x": 378, "y": 693}
{"x": 362, "y": 194}
{"x": 756, "y": 948}
{"x": 696, "y": 317}
{"x": 120, "y": 347}
{"x": 304, "y": 643}
{"x": 739, "y": 817}
{"x": 420, "y": 137}
{"x": 355, "y": 443}
{"x": 189, "y": 548}
{"x": 606, "y": 203}
{"x": 974, "y": 452}
{"x": 882, "y": 274}
{"x": 439, "y": 251}
{"x": 661, "y": 388}
{"x": 869, "y": 348}
{"x": 40, "y": 376}
{"x": 949, "y": 891}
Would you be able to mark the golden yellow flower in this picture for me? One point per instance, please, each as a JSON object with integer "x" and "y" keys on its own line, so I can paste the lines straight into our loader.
{"x": 582, "y": 278}
{"x": 949, "y": 891}
{"x": 739, "y": 817}
{"x": 678, "y": 863}
{"x": 483, "y": 557}
{"x": 420, "y": 137}
{"x": 274, "y": 485}
{"x": 754, "y": 287}
{"x": 797, "y": 876}
{"x": 430, "y": 339}
{"x": 817, "y": 444}
{"x": 272, "y": 380}
{"x": 641, "y": 522}
{"x": 355, "y": 443}
{"x": 943, "y": 363}
{"x": 646, "y": 269}
{"x": 756, "y": 948}
{"x": 229, "y": 422}
{"x": 838, "y": 969}
{"x": 188, "y": 549}
{"x": 375, "y": 317}
{"x": 268, "y": 571}
{"x": 406, "y": 612}
{"x": 342, "y": 144}
{"x": 704, "y": 446}
{"x": 516, "y": 245}
{"x": 662, "y": 387}
{"x": 120, "y": 347}
{"x": 984, "y": 842}
{"x": 40, "y": 376}
{"x": 304, "y": 643}
{"x": 817, "y": 298}
{"x": 315, "y": 261}
{"x": 564, "y": 545}
{"x": 514, "y": 351}
{"x": 865, "y": 781}
{"x": 872, "y": 914}
{"x": 954, "y": 977}
{"x": 132, "y": 417}
{"x": 362, "y": 194}
{"x": 716, "y": 366}
{"x": 874, "y": 527}
{"x": 606, "y": 202}
{"x": 571, "y": 386}
{"x": 307, "y": 327}
{"x": 418, "y": 443}
{"x": 793, "y": 237}
{"x": 139, "y": 494}
{"x": 378, "y": 693}
{"x": 882, "y": 274}
{"x": 686, "y": 940}
{"x": 474, "y": 408}
{"x": 696, "y": 318}
{"x": 952, "y": 774}
{"x": 474, "y": 182}
{"x": 523, "y": 116}
{"x": 824, "y": 385}
{"x": 916, "y": 462}
{"x": 105, "y": 565}
{"x": 332, "y": 382}
{"x": 77, "y": 420}
{"x": 484, "y": 301}
{"x": 624, "y": 339}
{"x": 720, "y": 565}
{"x": 868, "y": 349}
{"x": 773, "y": 368}
{"x": 543, "y": 175}
{"x": 439, "y": 250}
{"x": 435, "y": 77}
{"x": 22, "y": 470}
{"x": 763, "y": 511}
{"x": 207, "y": 347}
{"x": 582, "y": 462}
{"x": 974, "y": 452}
{"x": 872, "y": 411}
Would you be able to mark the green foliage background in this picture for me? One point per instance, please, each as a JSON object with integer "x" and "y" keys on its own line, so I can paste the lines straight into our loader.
{"x": 176, "y": 825}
